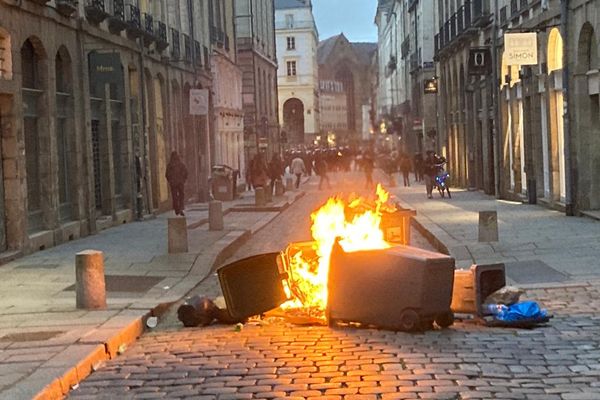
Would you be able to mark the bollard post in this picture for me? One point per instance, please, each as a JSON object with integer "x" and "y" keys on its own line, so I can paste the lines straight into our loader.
{"x": 268, "y": 194}
{"x": 177, "y": 235}
{"x": 488, "y": 226}
{"x": 259, "y": 197}
{"x": 90, "y": 287}
{"x": 215, "y": 216}
{"x": 278, "y": 188}
{"x": 289, "y": 184}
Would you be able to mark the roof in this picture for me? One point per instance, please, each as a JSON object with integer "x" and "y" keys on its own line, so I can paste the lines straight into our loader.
{"x": 283, "y": 4}
{"x": 362, "y": 50}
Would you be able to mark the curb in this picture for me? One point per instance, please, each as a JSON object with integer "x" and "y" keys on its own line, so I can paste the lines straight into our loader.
{"x": 96, "y": 352}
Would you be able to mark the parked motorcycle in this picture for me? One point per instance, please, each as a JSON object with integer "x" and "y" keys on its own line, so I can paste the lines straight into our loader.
{"x": 441, "y": 181}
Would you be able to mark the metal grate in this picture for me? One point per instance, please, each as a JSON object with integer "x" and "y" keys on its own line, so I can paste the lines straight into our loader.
{"x": 127, "y": 283}
{"x": 96, "y": 161}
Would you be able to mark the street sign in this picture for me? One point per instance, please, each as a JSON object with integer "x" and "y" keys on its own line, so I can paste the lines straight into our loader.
{"x": 520, "y": 48}
{"x": 430, "y": 86}
{"x": 480, "y": 61}
{"x": 198, "y": 101}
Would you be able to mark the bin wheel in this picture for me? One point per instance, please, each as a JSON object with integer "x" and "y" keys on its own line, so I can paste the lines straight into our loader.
{"x": 409, "y": 320}
{"x": 445, "y": 320}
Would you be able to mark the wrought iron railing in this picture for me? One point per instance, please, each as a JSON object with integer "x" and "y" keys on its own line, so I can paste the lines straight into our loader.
{"x": 187, "y": 48}
{"x": 118, "y": 9}
{"x": 175, "y": 47}
{"x": 161, "y": 31}
{"x": 514, "y": 8}
{"x": 503, "y": 16}
{"x": 134, "y": 18}
{"x": 97, "y": 4}
{"x": 523, "y": 5}
{"x": 197, "y": 53}
{"x": 148, "y": 24}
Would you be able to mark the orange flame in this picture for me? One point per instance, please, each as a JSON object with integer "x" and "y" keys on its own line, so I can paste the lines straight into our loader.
{"x": 357, "y": 225}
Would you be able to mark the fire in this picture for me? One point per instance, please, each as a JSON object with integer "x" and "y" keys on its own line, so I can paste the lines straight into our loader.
{"x": 356, "y": 223}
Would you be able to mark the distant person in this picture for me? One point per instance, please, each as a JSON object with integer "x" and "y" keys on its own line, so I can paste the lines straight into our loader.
{"x": 418, "y": 163}
{"x": 298, "y": 168}
{"x": 259, "y": 172}
{"x": 368, "y": 165}
{"x": 275, "y": 170}
{"x": 176, "y": 175}
{"x": 405, "y": 166}
{"x": 321, "y": 171}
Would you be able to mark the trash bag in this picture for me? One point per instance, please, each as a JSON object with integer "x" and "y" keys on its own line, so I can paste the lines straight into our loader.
{"x": 507, "y": 295}
{"x": 524, "y": 310}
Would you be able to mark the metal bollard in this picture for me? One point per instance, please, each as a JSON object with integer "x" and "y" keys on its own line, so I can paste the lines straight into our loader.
{"x": 177, "y": 235}
{"x": 215, "y": 216}
{"x": 488, "y": 226}
{"x": 289, "y": 184}
{"x": 259, "y": 197}
{"x": 278, "y": 188}
{"x": 90, "y": 287}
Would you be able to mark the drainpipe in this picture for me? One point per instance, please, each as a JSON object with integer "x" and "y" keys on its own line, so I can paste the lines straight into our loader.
{"x": 564, "y": 26}
{"x": 496, "y": 102}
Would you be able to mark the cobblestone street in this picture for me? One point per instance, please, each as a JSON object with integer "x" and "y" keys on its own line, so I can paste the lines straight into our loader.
{"x": 280, "y": 360}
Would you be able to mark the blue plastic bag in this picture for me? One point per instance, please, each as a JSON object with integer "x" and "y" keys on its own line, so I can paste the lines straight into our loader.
{"x": 523, "y": 310}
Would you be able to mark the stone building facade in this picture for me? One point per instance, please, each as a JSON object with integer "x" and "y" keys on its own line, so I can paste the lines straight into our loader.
{"x": 256, "y": 55}
{"x": 297, "y": 39}
{"x": 349, "y": 63}
{"x": 93, "y": 98}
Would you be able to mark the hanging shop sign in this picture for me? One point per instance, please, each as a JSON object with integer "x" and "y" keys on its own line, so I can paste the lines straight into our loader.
{"x": 520, "y": 48}
{"x": 105, "y": 68}
{"x": 480, "y": 61}
{"x": 198, "y": 101}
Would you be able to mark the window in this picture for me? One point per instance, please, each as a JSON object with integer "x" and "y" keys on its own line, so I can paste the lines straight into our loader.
{"x": 291, "y": 68}
{"x": 289, "y": 21}
{"x": 291, "y": 43}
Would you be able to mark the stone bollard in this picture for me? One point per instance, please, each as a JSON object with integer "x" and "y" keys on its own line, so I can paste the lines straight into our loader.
{"x": 259, "y": 197}
{"x": 268, "y": 194}
{"x": 90, "y": 286}
{"x": 488, "y": 226}
{"x": 278, "y": 188}
{"x": 215, "y": 216}
{"x": 177, "y": 235}
{"x": 289, "y": 184}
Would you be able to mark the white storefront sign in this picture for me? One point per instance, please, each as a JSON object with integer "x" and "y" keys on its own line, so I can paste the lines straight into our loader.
{"x": 198, "y": 101}
{"x": 520, "y": 48}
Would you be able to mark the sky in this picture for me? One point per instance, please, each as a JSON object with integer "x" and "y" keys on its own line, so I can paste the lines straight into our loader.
{"x": 352, "y": 17}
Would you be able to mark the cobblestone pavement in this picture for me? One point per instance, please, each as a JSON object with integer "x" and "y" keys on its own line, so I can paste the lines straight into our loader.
{"x": 279, "y": 360}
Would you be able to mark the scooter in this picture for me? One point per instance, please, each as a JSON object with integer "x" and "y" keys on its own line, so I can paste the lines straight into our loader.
{"x": 441, "y": 182}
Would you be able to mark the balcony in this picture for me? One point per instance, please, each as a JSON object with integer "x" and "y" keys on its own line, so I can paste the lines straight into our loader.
{"x": 197, "y": 53}
{"x": 286, "y": 25}
{"x": 514, "y": 8}
{"x": 95, "y": 11}
{"x": 161, "y": 36}
{"x": 461, "y": 23}
{"x": 66, "y": 7}
{"x": 405, "y": 47}
{"x": 206, "y": 58}
{"x": 480, "y": 12}
{"x": 116, "y": 19}
{"x": 503, "y": 16}
{"x": 133, "y": 18}
{"x": 414, "y": 62}
{"x": 175, "y": 48}
{"x": 187, "y": 48}
{"x": 148, "y": 29}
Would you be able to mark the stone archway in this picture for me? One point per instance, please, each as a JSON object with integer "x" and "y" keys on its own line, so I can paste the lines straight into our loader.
{"x": 293, "y": 120}
{"x": 586, "y": 134}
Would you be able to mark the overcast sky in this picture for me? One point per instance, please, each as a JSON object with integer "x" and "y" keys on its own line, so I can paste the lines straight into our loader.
{"x": 352, "y": 17}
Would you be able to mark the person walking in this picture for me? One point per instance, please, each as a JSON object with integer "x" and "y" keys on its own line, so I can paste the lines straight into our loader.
{"x": 405, "y": 165}
{"x": 298, "y": 168}
{"x": 321, "y": 170}
{"x": 368, "y": 165}
{"x": 418, "y": 164}
{"x": 275, "y": 170}
{"x": 260, "y": 172}
{"x": 176, "y": 175}
{"x": 430, "y": 169}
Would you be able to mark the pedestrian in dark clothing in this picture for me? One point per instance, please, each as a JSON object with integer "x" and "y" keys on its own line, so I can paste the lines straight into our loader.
{"x": 405, "y": 165}
{"x": 259, "y": 172}
{"x": 418, "y": 163}
{"x": 275, "y": 170}
{"x": 430, "y": 170}
{"x": 176, "y": 176}
{"x": 321, "y": 170}
{"x": 368, "y": 166}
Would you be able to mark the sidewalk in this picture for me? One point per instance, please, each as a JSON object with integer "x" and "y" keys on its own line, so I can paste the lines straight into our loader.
{"x": 537, "y": 245}
{"x": 47, "y": 345}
